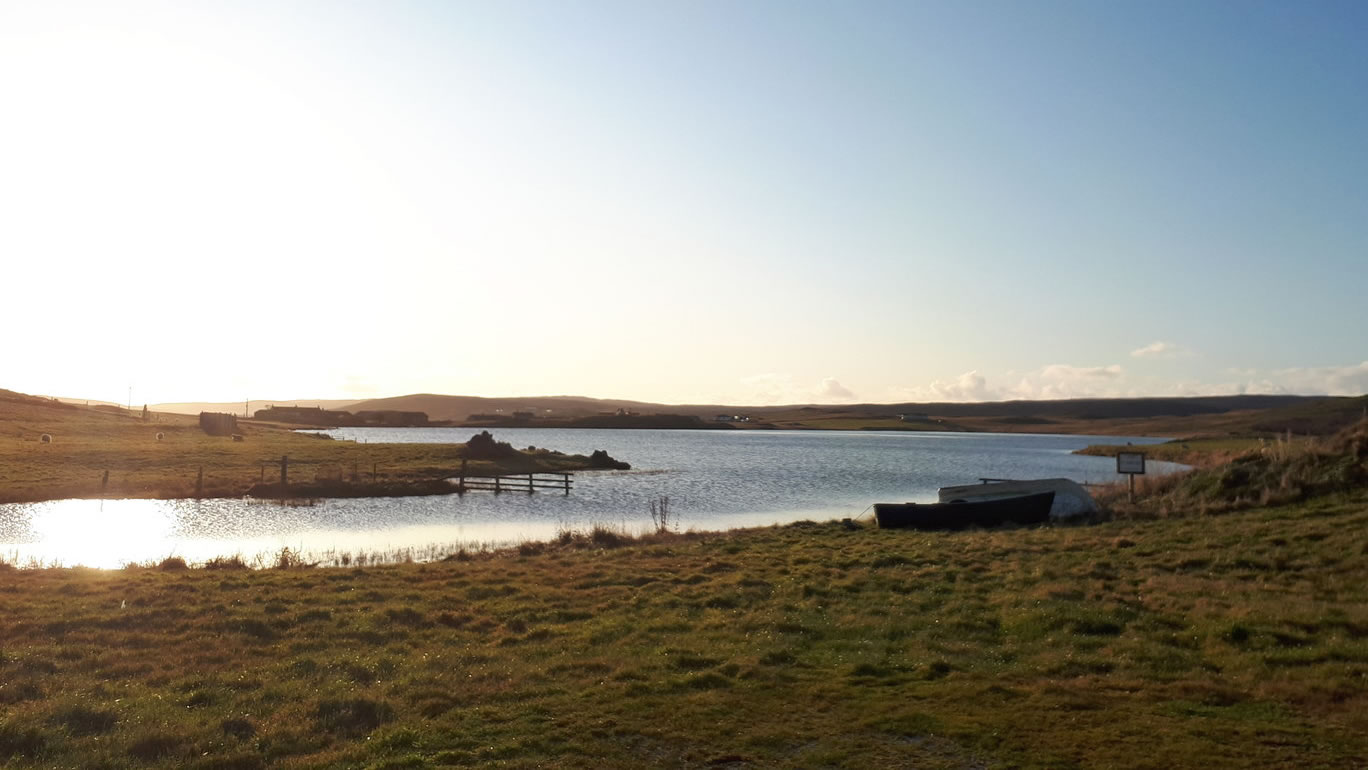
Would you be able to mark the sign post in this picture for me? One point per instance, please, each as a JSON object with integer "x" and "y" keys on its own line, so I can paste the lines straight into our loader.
{"x": 1131, "y": 464}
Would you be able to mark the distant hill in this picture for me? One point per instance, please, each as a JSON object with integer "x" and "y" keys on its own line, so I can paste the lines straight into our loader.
{"x": 1105, "y": 415}
{"x": 235, "y": 407}
{"x": 461, "y": 407}
{"x": 1321, "y": 416}
{"x": 24, "y": 398}
{"x": 1203, "y": 415}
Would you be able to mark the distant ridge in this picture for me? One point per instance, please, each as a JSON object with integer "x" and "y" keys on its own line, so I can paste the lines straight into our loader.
{"x": 440, "y": 407}
{"x": 235, "y": 407}
{"x": 1172, "y": 417}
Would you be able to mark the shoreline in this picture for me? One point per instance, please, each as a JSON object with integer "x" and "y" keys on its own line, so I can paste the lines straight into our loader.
{"x": 818, "y": 632}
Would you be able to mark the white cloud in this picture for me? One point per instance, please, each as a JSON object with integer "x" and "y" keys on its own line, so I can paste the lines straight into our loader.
{"x": 1067, "y": 372}
{"x": 1351, "y": 380}
{"x": 831, "y": 388}
{"x": 1153, "y": 349}
{"x": 970, "y": 386}
{"x": 1067, "y": 381}
{"x": 771, "y": 388}
{"x": 1060, "y": 381}
{"x": 1048, "y": 382}
{"x": 1158, "y": 349}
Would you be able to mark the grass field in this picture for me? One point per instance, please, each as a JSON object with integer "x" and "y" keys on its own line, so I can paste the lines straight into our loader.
{"x": 88, "y": 443}
{"x": 1220, "y": 641}
{"x": 1220, "y": 620}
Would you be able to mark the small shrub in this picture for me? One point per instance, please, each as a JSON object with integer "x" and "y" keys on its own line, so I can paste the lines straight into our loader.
{"x": 288, "y": 558}
{"x": 605, "y": 536}
{"x": 173, "y": 564}
{"x": 660, "y": 513}
{"x": 226, "y": 562}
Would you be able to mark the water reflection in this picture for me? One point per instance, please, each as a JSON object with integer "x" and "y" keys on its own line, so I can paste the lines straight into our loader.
{"x": 715, "y": 480}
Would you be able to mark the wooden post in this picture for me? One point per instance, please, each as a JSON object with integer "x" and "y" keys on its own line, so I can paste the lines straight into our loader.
{"x": 1132, "y": 487}
{"x": 567, "y": 482}
{"x": 263, "y": 473}
{"x": 373, "y": 468}
{"x": 284, "y": 470}
{"x": 529, "y": 483}
{"x": 104, "y": 482}
{"x": 496, "y": 485}
{"x": 199, "y": 483}
{"x": 461, "y": 486}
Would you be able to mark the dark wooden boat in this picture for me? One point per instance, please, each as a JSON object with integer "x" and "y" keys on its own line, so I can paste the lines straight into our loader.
{"x": 1025, "y": 509}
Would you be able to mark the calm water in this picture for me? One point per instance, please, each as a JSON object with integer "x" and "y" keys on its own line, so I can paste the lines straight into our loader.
{"x": 714, "y": 479}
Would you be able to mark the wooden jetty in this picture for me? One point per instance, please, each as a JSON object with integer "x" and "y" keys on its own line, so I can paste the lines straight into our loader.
{"x": 516, "y": 482}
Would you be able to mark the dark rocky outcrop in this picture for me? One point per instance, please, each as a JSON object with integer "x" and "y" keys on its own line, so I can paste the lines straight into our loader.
{"x": 600, "y": 460}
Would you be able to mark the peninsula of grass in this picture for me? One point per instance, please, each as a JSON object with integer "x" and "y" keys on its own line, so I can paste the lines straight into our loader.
{"x": 1165, "y": 637}
{"x": 96, "y": 452}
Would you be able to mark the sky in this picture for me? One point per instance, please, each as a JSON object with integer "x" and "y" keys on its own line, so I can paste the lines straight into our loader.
{"x": 686, "y": 202}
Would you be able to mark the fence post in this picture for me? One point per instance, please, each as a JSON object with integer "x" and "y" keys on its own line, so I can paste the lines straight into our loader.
{"x": 529, "y": 483}
{"x": 284, "y": 470}
{"x": 566, "y": 476}
{"x": 496, "y": 485}
{"x": 199, "y": 483}
{"x": 104, "y": 482}
{"x": 461, "y": 487}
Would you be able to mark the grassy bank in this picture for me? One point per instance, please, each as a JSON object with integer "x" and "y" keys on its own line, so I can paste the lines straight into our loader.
{"x": 97, "y": 452}
{"x": 1231, "y": 641}
{"x": 1199, "y": 453}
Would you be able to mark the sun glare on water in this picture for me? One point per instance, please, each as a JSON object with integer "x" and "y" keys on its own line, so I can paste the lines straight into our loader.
{"x": 98, "y": 533}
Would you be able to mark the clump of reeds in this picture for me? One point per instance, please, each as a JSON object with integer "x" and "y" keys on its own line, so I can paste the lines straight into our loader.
{"x": 225, "y": 562}
{"x": 660, "y": 513}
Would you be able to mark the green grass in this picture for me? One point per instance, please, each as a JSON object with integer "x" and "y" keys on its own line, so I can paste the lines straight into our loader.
{"x": 87, "y": 444}
{"x": 1238, "y": 640}
{"x": 1268, "y": 472}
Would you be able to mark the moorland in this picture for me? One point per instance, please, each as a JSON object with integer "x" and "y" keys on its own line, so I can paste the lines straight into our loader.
{"x": 1218, "y": 620}
{"x": 1221, "y": 620}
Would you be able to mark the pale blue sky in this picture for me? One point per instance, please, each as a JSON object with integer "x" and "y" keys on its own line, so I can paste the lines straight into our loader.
{"x": 734, "y": 201}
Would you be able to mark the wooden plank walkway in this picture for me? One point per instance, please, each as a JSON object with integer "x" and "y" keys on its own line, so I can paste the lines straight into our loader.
{"x": 517, "y": 482}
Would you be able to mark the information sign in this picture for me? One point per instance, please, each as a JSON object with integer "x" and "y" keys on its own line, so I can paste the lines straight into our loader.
{"x": 1130, "y": 462}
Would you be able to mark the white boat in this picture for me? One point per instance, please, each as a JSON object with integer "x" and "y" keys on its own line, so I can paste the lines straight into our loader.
{"x": 1071, "y": 500}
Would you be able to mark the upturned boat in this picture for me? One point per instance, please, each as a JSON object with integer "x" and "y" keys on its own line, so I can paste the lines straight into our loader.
{"x": 962, "y": 514}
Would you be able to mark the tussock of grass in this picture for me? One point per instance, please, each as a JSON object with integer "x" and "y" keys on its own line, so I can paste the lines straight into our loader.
{"x": 1277, "y": 472}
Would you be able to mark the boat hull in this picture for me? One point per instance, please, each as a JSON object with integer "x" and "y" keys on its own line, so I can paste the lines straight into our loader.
{"x": 1026, "y": 509}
